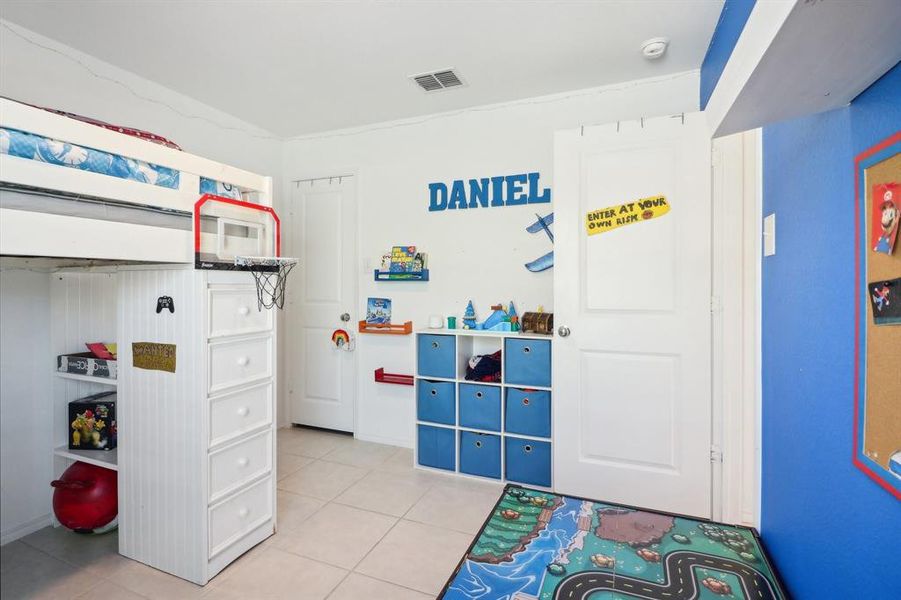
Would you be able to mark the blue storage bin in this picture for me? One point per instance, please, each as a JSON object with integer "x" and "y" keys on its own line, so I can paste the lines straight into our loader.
{"x": 436, "y": 356}
{"x": 435, "y": 401}
{"x": 528, "y": 461}
{"x": 480, "y": 406}
{"x": 480, "y": 454}
{"x": 527, "y": 362}
{"x": 528, "y": 412}
{"x": 436, "y": 447}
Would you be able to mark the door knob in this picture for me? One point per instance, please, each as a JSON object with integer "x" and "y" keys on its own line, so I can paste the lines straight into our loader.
{"x": 345, "y": 317}
{"x": 563, "y": 331}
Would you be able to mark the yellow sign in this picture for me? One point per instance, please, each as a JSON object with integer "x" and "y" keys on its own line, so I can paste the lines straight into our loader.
{"x": 153, "y": 356}
{"x": 608, "y": 219}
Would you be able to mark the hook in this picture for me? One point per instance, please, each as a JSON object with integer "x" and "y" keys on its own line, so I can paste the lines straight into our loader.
{"x": 582, "y": 131}
{"x": 617, "y": 127}
{"x": 642, "y": 122}
{"x": 683, "y": 118}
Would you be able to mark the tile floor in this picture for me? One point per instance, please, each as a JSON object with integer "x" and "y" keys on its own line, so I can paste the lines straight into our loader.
{"x": 410, "y": 529}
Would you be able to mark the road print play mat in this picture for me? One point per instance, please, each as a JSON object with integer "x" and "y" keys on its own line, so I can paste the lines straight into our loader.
{"x": 543, "y": 546}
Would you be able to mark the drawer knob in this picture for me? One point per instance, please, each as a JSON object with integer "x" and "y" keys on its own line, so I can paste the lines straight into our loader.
{"x": 242, "y": 361}
{"x": 244, "y": 311}
{"x": 525, "y": 401}
{"x": 243, "y": 462}
{"x": 478, "y": 444}
{"x": 435, "y": 344}
{"x": 526, "y": 349}
{"x": 527, "y": 448}
{"x": 243, "y": 411}
{"x": 479, "y": 394}
{"x": 243, "y": 513}
{"x": 434, "y": 392}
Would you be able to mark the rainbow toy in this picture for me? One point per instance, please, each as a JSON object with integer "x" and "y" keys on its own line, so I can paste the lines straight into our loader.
{"x": 340, "y": 338}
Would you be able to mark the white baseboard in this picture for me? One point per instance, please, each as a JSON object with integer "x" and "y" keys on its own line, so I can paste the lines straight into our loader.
{"x": 383, "y": 440}
{"x": 13, "y": 533}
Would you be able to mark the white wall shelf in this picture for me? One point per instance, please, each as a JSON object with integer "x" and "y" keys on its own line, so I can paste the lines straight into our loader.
{"x": 87, "y": 378}
{"x": 108, "y": 459}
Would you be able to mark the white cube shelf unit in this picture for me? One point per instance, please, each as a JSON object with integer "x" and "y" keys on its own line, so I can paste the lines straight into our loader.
{"x": 500, "y": 430}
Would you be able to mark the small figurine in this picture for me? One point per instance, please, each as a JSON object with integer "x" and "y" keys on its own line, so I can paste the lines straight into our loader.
{"x": 469, "y": 317}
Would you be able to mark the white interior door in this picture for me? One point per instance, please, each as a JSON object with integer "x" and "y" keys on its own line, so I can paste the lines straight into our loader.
{"x": 632, "y": 399}
{"x": 321, "y": 377}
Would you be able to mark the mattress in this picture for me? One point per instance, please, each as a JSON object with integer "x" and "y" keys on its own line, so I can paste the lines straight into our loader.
{"x": 30, "y": 146}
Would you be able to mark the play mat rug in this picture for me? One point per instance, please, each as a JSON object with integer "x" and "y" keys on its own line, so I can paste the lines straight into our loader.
{"x": 539, "y": 545}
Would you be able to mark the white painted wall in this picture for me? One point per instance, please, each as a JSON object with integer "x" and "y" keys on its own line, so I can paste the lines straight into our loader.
{"x": 474, "y": 253}
{"x": 41, "y": 71}
{"x": 25, "y": 400}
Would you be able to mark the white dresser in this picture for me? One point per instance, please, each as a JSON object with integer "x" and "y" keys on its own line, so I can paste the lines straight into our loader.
{"x": 196, "y": 447}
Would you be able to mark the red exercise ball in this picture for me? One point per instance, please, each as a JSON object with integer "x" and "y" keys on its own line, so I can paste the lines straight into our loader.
{"x": 85, "y": 498}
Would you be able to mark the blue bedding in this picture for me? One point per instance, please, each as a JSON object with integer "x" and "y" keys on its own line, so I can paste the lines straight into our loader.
{"x": 30, "y": 146}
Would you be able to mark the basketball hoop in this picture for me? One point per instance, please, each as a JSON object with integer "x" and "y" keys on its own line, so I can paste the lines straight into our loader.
{"x": 271, "y": 275}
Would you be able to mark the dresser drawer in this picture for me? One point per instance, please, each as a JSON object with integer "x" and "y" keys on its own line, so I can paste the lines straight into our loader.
{"x": 235, "y": 362}
{"x": 240, "y": 515}
{"x": 436, "y": 355}
{"x": 233, "y": 414}
{"x": 236, "y": 465}
{"x": 527, "y": 362}
{"x": 233, "y": 311}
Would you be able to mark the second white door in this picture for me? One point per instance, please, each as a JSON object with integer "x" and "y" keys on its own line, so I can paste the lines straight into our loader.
{"x": 321, "y": 382}
{"x": 632, "y": 387}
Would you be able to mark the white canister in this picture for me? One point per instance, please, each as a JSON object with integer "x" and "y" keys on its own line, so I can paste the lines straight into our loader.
{"x": 436, "y": 322}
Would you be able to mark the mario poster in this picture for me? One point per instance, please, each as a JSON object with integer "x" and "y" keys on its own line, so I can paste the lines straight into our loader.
{"x": 885, "y": 301}
{"x": 886, "y": 214}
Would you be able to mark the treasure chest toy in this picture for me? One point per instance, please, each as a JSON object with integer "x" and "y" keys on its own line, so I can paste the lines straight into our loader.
{"x": 535, "y": 322}
{"x": 92, "y": 422}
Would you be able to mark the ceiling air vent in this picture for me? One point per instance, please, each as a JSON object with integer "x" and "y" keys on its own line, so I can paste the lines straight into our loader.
{"x": 439, "y": 80}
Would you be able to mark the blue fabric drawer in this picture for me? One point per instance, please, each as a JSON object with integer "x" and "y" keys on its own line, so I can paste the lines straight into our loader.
{"x": 527, "y": 362}
{"x": 435, "y": 401}
{"x": 436, "y": 356}
{"x": 436, "y": 447}
{"x": 480, "y": 454}
{"x": 528, "y": 412}
{"x": 480, "y": 406}
{"x": 528, "y": 461}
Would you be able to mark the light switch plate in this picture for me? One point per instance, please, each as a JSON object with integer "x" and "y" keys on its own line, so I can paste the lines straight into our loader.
{"x": 769, "y": 235}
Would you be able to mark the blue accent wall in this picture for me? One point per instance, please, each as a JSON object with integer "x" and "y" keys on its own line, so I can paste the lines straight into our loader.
{"x": 728, "y": 29}
{"x": 831, "y": 531}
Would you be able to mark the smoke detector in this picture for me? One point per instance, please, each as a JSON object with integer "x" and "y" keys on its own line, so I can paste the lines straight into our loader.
{"x": 436, "y": 81}
{"x": 654, "y": 48}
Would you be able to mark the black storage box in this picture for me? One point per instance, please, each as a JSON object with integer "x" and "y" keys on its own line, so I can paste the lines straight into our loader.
{"x": 85, "y": 363}
{"x": 92, "y": 422}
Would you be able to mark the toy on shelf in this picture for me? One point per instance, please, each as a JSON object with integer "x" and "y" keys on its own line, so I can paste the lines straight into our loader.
{"x": 382, "y": 377}
{"x": 386, "y": 328}
{"x": 538, "y": 322}
{"x": 500, "y": 319}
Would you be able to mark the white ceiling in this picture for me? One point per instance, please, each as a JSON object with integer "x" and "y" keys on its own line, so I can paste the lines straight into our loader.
{"x": 301, "y": 67}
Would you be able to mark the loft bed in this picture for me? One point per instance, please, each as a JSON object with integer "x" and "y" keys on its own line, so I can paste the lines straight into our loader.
{"x": 77, "y": 188}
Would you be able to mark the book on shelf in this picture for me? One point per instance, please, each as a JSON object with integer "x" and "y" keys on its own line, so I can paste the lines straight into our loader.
{"x": 402, "y": 259}
{"x": 378, "y": 311}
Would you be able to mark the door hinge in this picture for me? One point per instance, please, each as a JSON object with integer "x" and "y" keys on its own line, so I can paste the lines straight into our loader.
{"x": 716, "y": 304}
{"x": 716, "y": 454}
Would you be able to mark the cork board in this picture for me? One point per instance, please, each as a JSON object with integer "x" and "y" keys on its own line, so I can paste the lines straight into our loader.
{"x": 879, "y": 347}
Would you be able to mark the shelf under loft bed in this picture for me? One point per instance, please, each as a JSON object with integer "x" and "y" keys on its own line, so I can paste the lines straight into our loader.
{"x": 107, "y": 459}
{"x": 87, "y": 378}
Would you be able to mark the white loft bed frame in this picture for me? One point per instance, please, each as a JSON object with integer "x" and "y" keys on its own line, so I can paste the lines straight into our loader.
{"x": 33, "y": 233}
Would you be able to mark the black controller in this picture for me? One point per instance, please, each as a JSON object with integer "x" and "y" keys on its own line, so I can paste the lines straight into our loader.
{"x": 165, "y": 302}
